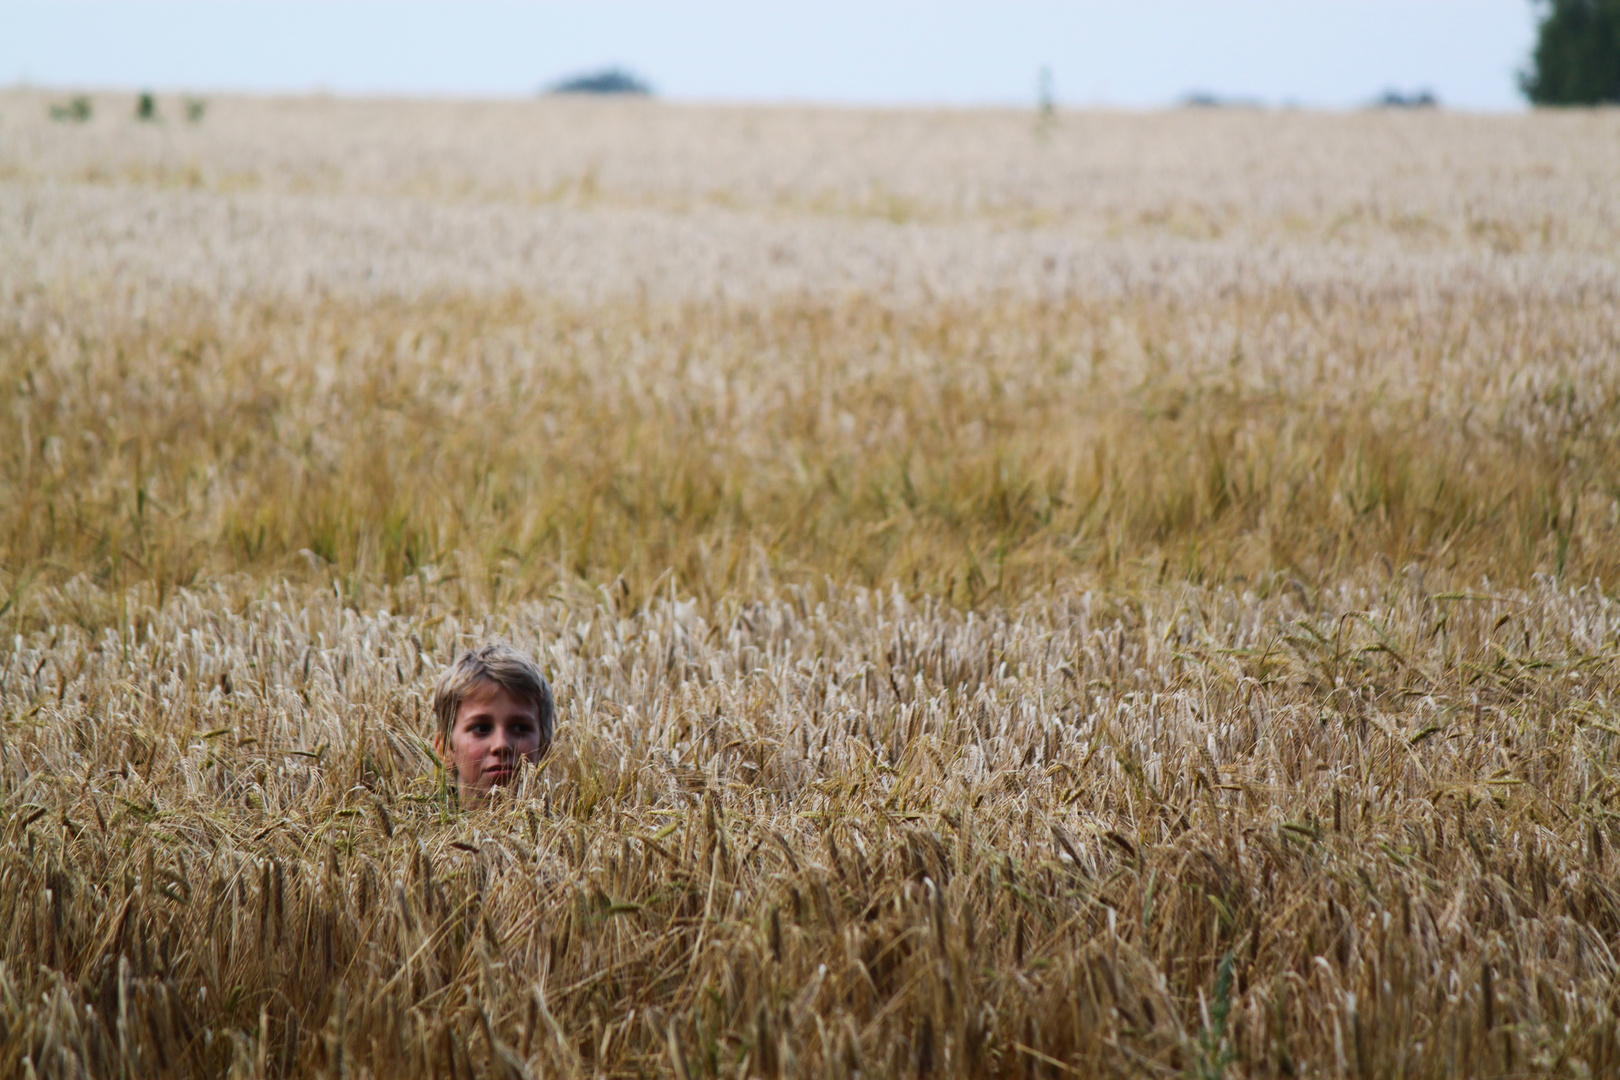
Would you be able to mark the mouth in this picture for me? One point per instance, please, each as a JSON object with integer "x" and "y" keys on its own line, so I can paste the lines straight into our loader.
{"x": 500, "y": 774}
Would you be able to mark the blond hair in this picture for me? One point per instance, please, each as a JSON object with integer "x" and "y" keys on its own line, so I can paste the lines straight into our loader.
{"x": 507, "y": 668}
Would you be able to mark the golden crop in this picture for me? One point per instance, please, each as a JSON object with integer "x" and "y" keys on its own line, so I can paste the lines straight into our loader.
{"x": 1123, "y": 595}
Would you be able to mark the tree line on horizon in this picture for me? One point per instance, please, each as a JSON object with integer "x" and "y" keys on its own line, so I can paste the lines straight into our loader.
{"x": 1576, "y": 61}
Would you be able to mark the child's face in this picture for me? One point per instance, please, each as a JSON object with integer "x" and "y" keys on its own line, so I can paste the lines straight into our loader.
{"x": 493, "y": 734}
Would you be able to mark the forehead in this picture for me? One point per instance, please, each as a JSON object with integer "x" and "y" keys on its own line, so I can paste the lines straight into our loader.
{"x": 486, "y": 696}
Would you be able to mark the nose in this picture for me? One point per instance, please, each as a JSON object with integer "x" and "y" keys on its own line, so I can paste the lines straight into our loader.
{"x": 500, "y": 741}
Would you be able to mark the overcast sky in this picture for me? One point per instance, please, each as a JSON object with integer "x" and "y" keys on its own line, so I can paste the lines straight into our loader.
{"x": 1138, "y": 53}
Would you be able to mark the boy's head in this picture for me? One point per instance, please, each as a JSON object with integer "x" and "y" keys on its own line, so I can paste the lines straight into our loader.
{"x": 494, "y": 711}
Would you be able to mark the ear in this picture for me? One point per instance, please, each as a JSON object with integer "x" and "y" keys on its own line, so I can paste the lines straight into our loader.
{"x": 438, "y": 743}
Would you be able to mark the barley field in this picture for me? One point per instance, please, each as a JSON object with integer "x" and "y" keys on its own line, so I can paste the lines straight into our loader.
{"x": 1117, "y": 594}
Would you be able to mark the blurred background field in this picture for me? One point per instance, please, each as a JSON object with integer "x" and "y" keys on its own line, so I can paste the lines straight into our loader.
{"x": 966, "y": 352}
{"x": 1079, "y": 592}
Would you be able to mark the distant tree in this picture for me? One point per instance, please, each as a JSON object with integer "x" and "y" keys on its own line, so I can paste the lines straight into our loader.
{"x": 1400, "y": 99}
{"x": 609, "y": 81}
{"x": 1208, "y": 99}
{"x": 77, "y": 110}
{"x": 1577, "y": 57}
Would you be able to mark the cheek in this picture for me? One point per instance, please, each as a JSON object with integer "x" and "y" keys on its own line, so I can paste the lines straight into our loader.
{"x": 464, "y": 747}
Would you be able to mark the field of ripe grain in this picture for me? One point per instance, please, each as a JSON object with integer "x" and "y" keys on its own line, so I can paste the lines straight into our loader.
{"x": 1122, "y": 595}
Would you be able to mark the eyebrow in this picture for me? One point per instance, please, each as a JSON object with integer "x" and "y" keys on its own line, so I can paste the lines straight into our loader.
{"x": 487, "y": 715}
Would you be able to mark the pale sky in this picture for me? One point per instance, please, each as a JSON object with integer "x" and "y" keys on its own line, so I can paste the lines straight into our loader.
{"x": 1135, "y": 53}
